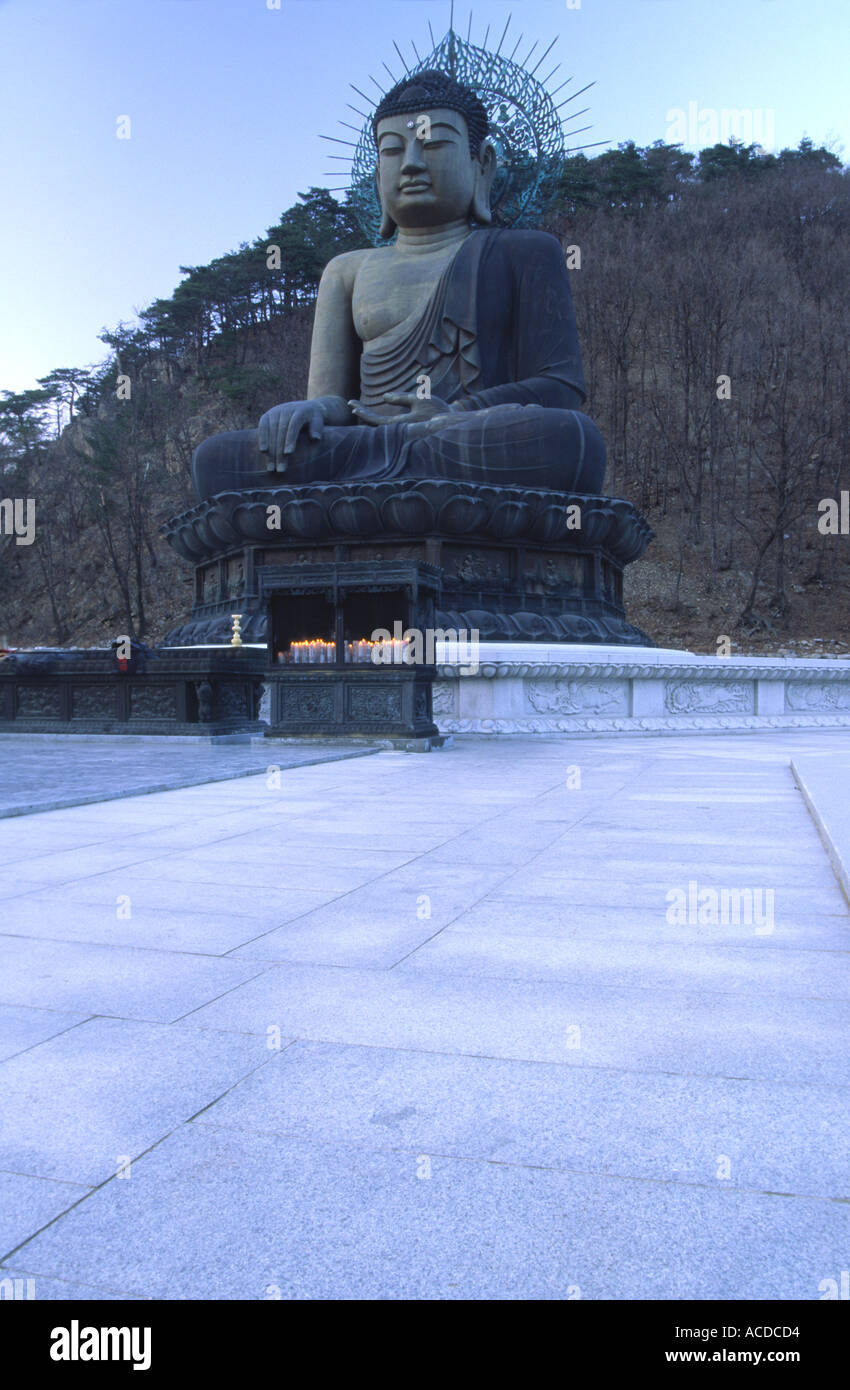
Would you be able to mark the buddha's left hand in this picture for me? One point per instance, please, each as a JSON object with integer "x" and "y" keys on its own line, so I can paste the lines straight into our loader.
{"x": 415, "y": 409}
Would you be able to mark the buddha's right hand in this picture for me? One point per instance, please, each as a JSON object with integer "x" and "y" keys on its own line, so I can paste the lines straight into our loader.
{"x": 280, "y": 428}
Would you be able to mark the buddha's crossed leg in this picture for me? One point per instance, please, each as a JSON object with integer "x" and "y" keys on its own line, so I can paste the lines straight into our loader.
{"x": 513, "y": 446}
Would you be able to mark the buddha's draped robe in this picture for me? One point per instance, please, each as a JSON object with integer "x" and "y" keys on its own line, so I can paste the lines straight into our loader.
{"x": 497, "y": 331}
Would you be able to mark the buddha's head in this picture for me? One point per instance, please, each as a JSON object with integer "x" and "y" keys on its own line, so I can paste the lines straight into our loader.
{"x": 435, "y": 162}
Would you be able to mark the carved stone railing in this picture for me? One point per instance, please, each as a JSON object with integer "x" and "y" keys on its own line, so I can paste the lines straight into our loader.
{"x": 212, "y": 692}
{"x": 667, "y": 692}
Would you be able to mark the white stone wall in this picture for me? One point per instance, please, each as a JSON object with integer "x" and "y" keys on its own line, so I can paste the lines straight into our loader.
{"x": 561, "y": 688}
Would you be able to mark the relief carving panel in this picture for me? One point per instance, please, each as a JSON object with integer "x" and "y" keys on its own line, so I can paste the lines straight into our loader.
{"x": 578, "y": 697}
{"x": 314, "y": 702}
{"x": 443, "y": 699}
{"x": 476, "y": 567}
{"x": 93, "y": 702}
{"x": 822, "y": 695}
{"x": 373, "y": 702}
{"x": 152, "y": 702}
{"x": 232, "y": 702}
{"x": 39, "y": 702}
{"x": 710, "y": 697}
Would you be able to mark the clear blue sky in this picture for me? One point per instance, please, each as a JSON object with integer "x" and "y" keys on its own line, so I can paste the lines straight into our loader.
{"x": 227, "y": 99}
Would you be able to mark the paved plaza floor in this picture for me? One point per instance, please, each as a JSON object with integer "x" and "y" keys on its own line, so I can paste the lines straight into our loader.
{"x": 486, "y": 1023}
{"x": 43, "y": 773}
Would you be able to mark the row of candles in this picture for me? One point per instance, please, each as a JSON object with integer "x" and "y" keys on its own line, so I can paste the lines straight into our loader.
{"x": 318, "y": 652}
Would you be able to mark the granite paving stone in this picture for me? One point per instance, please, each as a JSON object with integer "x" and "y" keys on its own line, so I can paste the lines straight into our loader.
{"x": 18, "y": 847}
{"x": 248, "y": 1214}
{"x": 627, "y": 847}
{"x": 583, "y": 863}
{"x": 461, "y": 884}
{"x": 685, "y": 965}
{"x": 558, "y": 917}
{"x": 580, "y": 1025}
{"x": 21, "y": 1028}
{"x": 595, "y": 889}
{"x": 230, "y": 870}
{"x": 670, "y": 1128}
{"x": 265, "y": 905}
{"x": 246, "y": 856}
{"x": 27, "y": 1203}
{"x": 164, "y": 928}
{"x": 79, "y": 1105}
{"x": 73, "y": 865}
{"x": 364, "y": 929}
{"x": 157, "y": 986}
{"x": 38, "y": 773}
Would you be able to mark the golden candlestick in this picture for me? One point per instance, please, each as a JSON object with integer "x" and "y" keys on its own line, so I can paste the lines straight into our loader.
{"x": 236, "y": 639}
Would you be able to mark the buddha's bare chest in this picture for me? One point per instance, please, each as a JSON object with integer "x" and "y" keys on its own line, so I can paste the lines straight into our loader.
{"x": 388, "y": 290}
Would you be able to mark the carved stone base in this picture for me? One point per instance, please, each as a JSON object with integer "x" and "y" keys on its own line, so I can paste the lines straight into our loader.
{"x": 517, "y": 688}
{"x": 85, "y": 692}
{"x": 357, "y": 700}
{"x": 517, "y": 564}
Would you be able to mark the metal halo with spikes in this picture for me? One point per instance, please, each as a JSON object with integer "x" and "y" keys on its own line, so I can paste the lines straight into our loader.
{"x": 525, "y": 127}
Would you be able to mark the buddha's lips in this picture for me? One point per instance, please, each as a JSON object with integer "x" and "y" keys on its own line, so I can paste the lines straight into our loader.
{"x": 414, "y": 187}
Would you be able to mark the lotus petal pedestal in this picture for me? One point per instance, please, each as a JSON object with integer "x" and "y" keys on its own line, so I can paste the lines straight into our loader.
{"x": 518, "y": 565}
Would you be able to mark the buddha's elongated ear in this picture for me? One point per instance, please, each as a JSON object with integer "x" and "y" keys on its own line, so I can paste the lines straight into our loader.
{"x": 485, "y": 172}
{"x": 387, "y": 224}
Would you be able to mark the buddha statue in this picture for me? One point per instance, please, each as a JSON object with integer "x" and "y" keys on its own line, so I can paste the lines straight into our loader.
{"x": 450, "y": 353}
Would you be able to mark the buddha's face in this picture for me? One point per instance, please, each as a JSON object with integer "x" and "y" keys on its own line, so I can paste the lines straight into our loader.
{"x": 426, "y": 175}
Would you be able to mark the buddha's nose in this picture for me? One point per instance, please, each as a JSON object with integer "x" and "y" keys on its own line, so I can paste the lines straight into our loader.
{"x": 413, "y": 157}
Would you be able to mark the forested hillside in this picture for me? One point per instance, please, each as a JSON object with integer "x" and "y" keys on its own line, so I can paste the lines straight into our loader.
{"x": 713, "y": 301}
